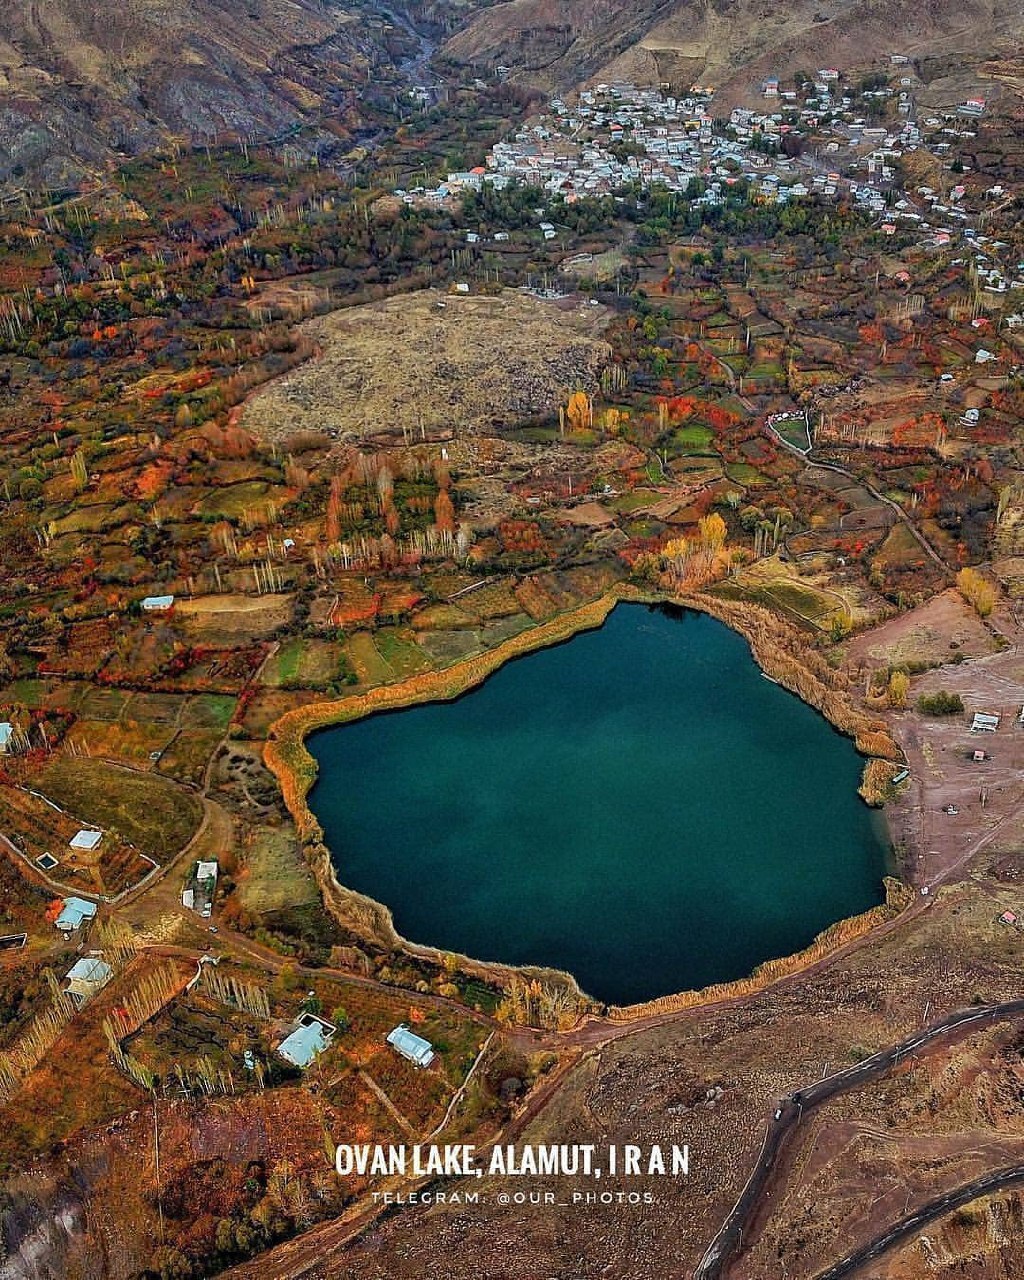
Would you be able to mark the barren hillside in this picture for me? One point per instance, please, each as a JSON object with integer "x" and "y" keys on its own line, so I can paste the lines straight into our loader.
{"x": 79, "y": 82}
{"x": 731, "y": 44}
{"x": 423, "y": 360}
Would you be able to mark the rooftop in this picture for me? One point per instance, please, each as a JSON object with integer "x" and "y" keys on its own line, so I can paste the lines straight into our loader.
{"x": 86, "y": 839}
{"x": 304, "y": 1044}
{"x": 411, "y": 1046}
{"x": 74, "y": 912}
{"x": 90, "y": 969}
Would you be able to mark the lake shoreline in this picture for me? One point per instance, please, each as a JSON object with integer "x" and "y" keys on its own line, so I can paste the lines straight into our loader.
{"x": 776, "y": 650}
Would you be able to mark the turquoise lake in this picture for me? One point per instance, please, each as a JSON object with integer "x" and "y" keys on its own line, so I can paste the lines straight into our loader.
{"x": 638, "y": 805}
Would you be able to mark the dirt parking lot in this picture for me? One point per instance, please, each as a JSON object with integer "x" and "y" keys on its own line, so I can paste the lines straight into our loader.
{"x": 988, "y": 794}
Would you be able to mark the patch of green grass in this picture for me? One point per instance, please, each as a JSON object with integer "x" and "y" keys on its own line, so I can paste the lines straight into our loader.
{"x": 743, "y": 473}
{"x": 187, "y": 755}
{"x": 402, "y": 654}
{"x": 102, "y": 704}
{"x": 366, "y": 660}
{"x": 286, "y": 663}
{"x": 151, "y": 813}
{"x": 809, "y": 604}
{"x": 633, "y": 500}
{"x": 30, "y": 693}
{"x": 234, "y": 500}
{"x": 209, "y": 711}
{"x": 694, "y": 437}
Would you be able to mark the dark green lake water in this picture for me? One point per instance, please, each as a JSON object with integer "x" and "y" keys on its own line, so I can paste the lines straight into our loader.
{"x": 638, "y": 806}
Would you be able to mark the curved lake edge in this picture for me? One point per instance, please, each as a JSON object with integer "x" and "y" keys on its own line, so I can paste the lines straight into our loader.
{"x": 808, "y": 676}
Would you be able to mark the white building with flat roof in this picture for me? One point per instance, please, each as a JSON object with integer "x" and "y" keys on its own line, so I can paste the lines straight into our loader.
{"x": 412, "y": 1047}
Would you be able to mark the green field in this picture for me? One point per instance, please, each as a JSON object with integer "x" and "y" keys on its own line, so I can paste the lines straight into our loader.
{"x": 694, "y": 437}
{"x": 234, "y": 500}
{"x": 402, "y": 654}
{"x": 209, "y": 711}
{"x": 366, "y": 660}
{"x": 151, "y": 813}
{"x": 302, "y": 663}
{"x": 743, "y": 473}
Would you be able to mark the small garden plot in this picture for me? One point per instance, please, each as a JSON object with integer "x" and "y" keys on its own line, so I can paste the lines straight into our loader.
{"x": 103, "y": 704}
{"x": 401, "y": 652}
{"x": 504, "y": 629}
{"x": 442, "y": 617}
{"x": 208, "y": 711}
{"x": 89, "y": 519}
{"x": 366, "y": 660}
{"x": 420, "y": 1095}
{"x": 496, "y": 600}
{"x": 900, "y": 550}
{"x": 269, "y": 705}
{"x": 240, "y": 501}
{"x": 220, "y": 671}
{"x": 744, "y": 474}
{"x": 187, "y": 754}
{"x": 800, "y": 599}
{"x": 633, "y": 500}
{"x": 86, "y": 649}
{"x": 693, "y": 438}
{"x": 153, "y": 708}
{"x": 142, "y": 653}
{"x": 447, "y": 647}
{"x": 195, "y": 1034}
{"x": 133, "y": 742}
{"x": 301, "y": 663}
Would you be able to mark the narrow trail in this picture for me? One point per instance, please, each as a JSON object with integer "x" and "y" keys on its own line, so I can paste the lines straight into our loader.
{"x": 895, "y": 507}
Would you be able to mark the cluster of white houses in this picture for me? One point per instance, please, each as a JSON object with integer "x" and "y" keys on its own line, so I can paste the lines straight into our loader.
{"x": 619, "y": 135}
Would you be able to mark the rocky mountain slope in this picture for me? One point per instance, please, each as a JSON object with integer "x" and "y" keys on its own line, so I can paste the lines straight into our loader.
{"x": 731, "y": 44}
{"x": 82, "y": 83}
{"x": 79, "y": 82}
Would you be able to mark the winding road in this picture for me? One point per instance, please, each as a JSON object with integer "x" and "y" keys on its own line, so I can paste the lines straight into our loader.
{"x": 727, "y": 1245}
{"x": 895, "y": 507}
{"x": 910, "y": 1225}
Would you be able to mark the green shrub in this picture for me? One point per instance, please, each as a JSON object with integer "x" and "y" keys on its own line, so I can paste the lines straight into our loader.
{"x": 940, "y": 704}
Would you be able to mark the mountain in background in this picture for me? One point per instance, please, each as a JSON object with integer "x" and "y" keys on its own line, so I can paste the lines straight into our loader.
{"x": 81, "y": 84}
{"x": 733, "y": 44}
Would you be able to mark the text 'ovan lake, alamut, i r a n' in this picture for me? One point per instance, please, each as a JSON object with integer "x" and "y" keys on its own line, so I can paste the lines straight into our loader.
{"x": 638, "y": 806}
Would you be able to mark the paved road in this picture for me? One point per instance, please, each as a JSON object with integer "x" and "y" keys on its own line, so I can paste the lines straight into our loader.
{"x": 728, "y": 1243}
{"x": 913, "y": 1223}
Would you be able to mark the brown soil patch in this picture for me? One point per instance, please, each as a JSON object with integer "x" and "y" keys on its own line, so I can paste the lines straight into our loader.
{"x": 434, "y": 362}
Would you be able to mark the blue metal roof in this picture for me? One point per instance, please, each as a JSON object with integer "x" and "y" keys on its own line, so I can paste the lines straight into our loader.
{"x": 89, "y": 969}
{"x": 303, "y": 1045}
{"x": 74, "y": 912}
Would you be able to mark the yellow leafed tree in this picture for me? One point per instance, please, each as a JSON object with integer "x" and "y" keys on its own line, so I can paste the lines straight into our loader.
{"x": 712, "y": 531}
{"x": 580, "y": 412}
{"x": 977, "y": 591}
